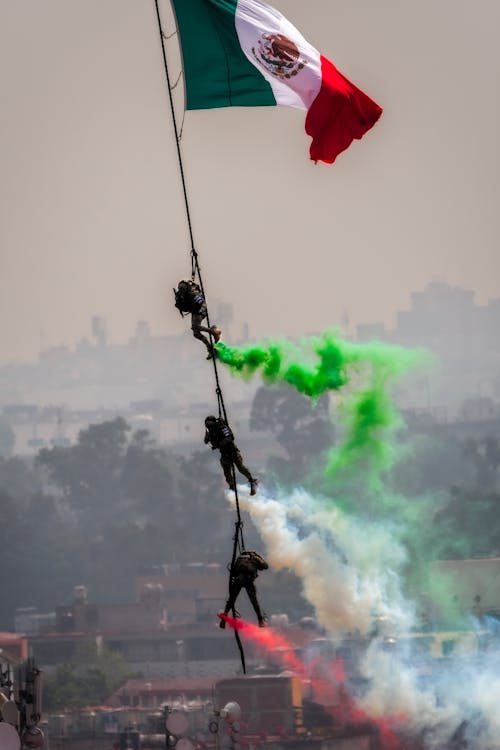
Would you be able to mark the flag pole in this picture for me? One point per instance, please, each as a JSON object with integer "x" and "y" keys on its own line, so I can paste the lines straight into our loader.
{"x": 176, "y": 132}
{"x": 195, "y": 267}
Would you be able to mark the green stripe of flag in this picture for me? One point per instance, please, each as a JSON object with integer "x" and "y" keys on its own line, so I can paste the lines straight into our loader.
{"x": 217, "y": 73}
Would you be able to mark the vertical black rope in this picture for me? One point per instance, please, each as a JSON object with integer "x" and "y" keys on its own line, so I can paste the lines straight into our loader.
{"x": 195, "y": 265}
{"x": 238, "y": 541}
{"x": 174, "y": 122}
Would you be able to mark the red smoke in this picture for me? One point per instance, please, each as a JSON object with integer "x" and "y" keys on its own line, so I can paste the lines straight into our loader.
{"x": 327, "y": 682}
{"x": 270, "y": 640}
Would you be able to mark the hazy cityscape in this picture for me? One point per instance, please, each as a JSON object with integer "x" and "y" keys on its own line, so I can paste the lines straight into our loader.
{"x": 157, "y": 383}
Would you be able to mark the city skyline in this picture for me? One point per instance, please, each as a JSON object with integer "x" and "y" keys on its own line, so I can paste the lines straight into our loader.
{"x": 98, "y": 326}
{"x": 462, "y": 363}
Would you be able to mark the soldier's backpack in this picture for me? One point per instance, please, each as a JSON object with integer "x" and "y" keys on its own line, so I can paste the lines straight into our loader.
{"x": 188, "y": 297}
{"x": 223, "y": 431}
{"x": 257, "y": 560}
{"x": 248, "y": 563}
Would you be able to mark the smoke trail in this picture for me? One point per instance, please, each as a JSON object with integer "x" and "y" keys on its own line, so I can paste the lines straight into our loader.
{"x": 348, "y": 569}
{"x": 270, "y": 640}
{"x": 363, "y": 374}
{"x": 350, "y": 572}
{"x": 352, "y": 564}
{"x": 328, "y": 363}
{"x": 337, "y": 361}
{"x": 343, "y": 709}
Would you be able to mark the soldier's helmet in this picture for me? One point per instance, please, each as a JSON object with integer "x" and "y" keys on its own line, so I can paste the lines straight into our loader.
{"x": 210, "y": 420}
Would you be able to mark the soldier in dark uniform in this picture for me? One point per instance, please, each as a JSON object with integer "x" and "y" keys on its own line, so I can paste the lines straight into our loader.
{"x": 220, "y": 436}
{"x": 243, "y": 575}
{"x": 190, "y": 300}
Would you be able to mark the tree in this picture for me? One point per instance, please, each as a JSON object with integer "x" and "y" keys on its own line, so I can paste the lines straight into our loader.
{"x": 38, "y": 557}
{"x": 88, "y": 474}
{"x": 114, "y": 502}
{"x": 146, "y": 478}
{"x": 19, "y": 479}
{"x": 88, "y": 681}
{"x": 302, "y": 428}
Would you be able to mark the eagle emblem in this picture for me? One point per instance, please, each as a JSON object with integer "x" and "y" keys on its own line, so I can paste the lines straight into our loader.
{"x": 278, "y": 55}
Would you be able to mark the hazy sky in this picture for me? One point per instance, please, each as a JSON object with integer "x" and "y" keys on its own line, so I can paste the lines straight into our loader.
{"x": 92, "y": 219}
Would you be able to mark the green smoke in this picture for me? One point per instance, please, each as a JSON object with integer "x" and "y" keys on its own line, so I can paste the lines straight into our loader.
{"x": 355, "y": 475}
{"x": 283, "y": 362}
{"x": 362, "y": 372}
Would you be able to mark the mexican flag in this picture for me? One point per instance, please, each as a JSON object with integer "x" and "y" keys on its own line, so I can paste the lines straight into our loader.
{"x": 243, "y": 53}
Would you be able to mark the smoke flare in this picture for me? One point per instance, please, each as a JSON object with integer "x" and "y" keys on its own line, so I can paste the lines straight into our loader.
{"x": 349, "y": 547}
{"x": 324, "y": 364}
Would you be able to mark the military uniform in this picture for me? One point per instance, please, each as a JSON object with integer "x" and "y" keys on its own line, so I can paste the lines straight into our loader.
{"x": 243, "y": 575}
{"x": 220, "y": 436}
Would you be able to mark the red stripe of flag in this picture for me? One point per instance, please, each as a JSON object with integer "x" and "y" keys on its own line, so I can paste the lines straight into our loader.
{"x": 340, "y": 113}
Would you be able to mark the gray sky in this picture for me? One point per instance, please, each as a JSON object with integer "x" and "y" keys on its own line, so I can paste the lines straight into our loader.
{"x": 92, "y": 219}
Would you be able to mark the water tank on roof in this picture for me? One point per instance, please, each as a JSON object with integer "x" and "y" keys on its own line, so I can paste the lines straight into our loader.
{"x": 80, "y": 594}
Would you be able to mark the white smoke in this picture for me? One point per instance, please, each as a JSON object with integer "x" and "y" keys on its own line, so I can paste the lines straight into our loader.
{"x": 349, "y": 571}
{"x": 351, "y": 574}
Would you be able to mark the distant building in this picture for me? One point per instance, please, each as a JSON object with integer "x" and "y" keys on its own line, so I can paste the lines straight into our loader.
{"x": 371, "y": 332}
{"x": 99, "y": 331}
{"x": 13, "y": 647}
{"x": 171, "y": 630}
{"x": 473, "y": 586}
{"x": 154, "y": 693}
{"x": 463, "y": 337}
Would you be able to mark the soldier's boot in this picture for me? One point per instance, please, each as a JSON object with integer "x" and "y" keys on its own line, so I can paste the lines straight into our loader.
{"x": 216, "y": 333}
{"x": 212, "y": 353}
{"x": 222, "y": 622}
{"x": 253, "y": 486}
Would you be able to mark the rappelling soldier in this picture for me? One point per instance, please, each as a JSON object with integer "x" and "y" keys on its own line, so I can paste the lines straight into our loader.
{"x": 220, "y": 436}
{"x": 243, "y": 574}
{"x": 189, "y": 300}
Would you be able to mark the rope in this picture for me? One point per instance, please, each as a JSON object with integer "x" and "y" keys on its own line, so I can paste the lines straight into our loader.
{"x": 238, "y": 541}
{"x": 174, "y": 122}
{"x": 177, "y": 81}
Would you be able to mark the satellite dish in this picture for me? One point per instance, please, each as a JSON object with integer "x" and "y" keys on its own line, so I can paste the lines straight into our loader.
{"x": 184, "y": 744}
{"x": 9, "y": 738}
{"x": 33, "y": 738}
{"x": 10, "y": 713}
{"x": 231, "y": 712}
{"x": 177, "y": 723}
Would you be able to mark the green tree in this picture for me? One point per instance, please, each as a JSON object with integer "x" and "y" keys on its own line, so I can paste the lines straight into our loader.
{"x": 89, "y": 474}
{"x": 303, "y": 429}
{"x": 113, "y": 503}
{"x": 146, "y": 478}
{"x": 88, "y": 681}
